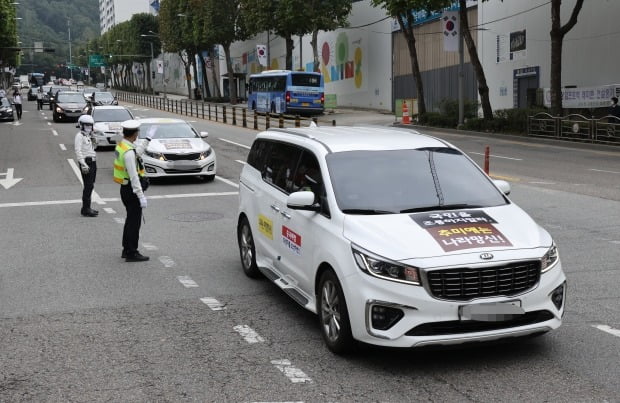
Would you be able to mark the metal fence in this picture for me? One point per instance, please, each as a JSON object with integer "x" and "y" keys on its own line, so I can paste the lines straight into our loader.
{"x": 574, "y": 127}
{"x": 229, "y": 114}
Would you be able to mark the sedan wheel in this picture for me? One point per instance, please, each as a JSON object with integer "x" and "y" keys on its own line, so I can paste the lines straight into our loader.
{"x": 247, "y": 250}
{"x": 333, "y": 315}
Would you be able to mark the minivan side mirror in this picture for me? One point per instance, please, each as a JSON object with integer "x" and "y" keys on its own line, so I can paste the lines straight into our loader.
{"x": 503, "y": 186}
{"x": 303, "y": 200}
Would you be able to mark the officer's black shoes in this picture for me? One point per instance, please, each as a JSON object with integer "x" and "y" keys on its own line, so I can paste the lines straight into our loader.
{"x": 89, "y": 212}
{"x": 136, "y": 257}
{"x": 124, "y": 254}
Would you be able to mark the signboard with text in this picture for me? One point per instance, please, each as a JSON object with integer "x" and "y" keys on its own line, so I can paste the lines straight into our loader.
{"x": 96, "y": 61}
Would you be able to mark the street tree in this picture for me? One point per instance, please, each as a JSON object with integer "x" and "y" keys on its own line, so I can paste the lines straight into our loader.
{"x": 8, "y": 40}
{"x": 558, "y": 31}
{"x": 325, "y": 15}
{"x": 403, "y": 11}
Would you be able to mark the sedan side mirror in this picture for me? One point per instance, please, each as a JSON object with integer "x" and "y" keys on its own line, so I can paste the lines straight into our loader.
{"x": 503, "y": 186}
{"x": 204, "y": 135}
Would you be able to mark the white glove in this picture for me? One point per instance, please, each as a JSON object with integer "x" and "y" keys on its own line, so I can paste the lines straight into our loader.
{"x": 85, "y": 169}
{"x": 143, "y": 201}
{"x": 151, "y": 133}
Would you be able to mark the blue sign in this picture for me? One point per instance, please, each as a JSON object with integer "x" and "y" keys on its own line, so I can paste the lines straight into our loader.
{"x": 423, "y": 16}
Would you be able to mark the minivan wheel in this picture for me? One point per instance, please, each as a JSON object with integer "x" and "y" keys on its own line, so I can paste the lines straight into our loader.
{"x": 333, "y": 315}
{"x": 247, "y": 250}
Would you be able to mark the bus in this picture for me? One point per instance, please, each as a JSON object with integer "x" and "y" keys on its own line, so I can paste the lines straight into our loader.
{"x": 285, "y": 91}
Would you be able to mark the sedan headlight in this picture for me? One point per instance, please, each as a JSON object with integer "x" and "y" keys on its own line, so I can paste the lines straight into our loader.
{"x": 550, "y": 259}
{"x": 205, "y": 154}
{"x": 383, "y": 268}
{"x": 157, "y": 156}
{"x": 59, "y": 109}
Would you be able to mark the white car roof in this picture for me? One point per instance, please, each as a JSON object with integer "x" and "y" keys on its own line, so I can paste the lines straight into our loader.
{"x": 161, "y": 121}
{"x": 349, "y": 138}
{"x": 99, "y": 107}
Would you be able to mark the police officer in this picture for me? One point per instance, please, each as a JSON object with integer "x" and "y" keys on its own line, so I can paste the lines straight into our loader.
{"x": 128, "y": 171}
{"x": 86, "y": 157}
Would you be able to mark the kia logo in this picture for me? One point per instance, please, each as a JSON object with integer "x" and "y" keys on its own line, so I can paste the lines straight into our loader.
{"x": 486, "y": 256}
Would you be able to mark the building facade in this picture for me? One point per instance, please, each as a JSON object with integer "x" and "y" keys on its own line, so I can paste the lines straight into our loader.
{"x": 112, "y": 12}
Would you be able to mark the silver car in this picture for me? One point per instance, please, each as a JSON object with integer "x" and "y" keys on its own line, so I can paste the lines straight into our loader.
{"x": 108, "y": 118}
{"x": 176, "y": 149}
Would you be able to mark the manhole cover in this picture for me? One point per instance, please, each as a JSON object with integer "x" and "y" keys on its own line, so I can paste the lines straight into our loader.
{"x": 196, "y": 216}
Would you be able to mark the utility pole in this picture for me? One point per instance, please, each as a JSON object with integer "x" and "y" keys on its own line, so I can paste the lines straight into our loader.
{"x": 70, "y": 59}
{"x": 461, "y": 78}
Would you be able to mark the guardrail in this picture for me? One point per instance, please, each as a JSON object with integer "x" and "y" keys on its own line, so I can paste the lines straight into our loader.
{"x": 575, "y": 127}
{"x": 229, "y": 114}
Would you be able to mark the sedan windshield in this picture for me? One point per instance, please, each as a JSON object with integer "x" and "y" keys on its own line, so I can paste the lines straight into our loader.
{"x": 111, "y": 115}
{"x": 103, "y": 96}
{"x": 401, "y": 181}
{"x": 168, "y": 130}
{"x": 70, "y": 98}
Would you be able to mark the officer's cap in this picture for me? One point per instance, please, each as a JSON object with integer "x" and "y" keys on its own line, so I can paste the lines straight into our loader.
{"x": 130, "y": 127}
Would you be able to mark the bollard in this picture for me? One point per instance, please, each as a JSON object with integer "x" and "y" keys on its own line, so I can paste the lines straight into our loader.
{"x": 209, "y": 110}
{"x": 244, "y": 121}
{"x": 281, "y": 121}
{"x": 486, "y": 160}
{"x": 176, "y": 105}
{"x": 224, "y": 114}
{"x": 266, "y": 121}
{"x": 334, "y": 122}
{"x": 297, "y": 121}
{"x": 255, "y": 121}
{"x": 234, "y": 122}
{"x": 216, "y": 112}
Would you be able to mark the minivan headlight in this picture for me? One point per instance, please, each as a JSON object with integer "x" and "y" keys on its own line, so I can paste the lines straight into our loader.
{"x": 550, "y": 259}
{"x": 386, "y": 269}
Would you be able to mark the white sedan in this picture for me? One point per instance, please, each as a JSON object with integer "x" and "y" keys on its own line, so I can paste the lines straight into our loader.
{"x": 108, "y": 118}
{"x": 176, "y": 149}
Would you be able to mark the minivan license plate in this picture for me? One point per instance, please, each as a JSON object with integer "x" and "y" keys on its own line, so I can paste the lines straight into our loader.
{"x": 491, "y": 312}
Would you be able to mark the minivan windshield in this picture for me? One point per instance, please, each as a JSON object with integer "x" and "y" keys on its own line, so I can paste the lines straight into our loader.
{"x": 407, "y": 181}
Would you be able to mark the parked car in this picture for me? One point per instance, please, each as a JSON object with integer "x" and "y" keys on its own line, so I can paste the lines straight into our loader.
{"x": 394, "y": 238}
{"x": 176, "y": 149}
{"x": 68, "y": 105}
{"x": 6, "y": 110}
{"x": 107, "y": 130}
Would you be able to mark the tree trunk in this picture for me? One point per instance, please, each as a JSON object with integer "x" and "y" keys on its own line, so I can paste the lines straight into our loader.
{"x": 232, "y": 87}
{"x": 483, "y": 88}
{"x": 216, "y": 81}
{"x": 195, "y": 69}
{"x": 148, "y": 77}
{"x": 289, "y": 51}
{"x": 205, "y": 82}
{"x": 413, "y": 54}
{"x": 315, "y": 50}
{"x": 186, "y": 69}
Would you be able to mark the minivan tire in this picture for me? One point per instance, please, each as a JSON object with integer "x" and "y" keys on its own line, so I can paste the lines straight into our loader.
{"x": 332, "y": 311}
{"x": 247, "y": 249}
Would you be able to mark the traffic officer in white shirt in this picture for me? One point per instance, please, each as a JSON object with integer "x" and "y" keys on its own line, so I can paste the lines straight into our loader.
{"x": 87, "y": 158}
{"x": 130, "y": 174}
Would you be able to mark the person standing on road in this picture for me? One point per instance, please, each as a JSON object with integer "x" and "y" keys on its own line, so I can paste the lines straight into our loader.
{"x": 17, "y": 101}
{"x": 130, "y": 174}
{"x": 40, "y": 98}
{"x": 87, "y": 158}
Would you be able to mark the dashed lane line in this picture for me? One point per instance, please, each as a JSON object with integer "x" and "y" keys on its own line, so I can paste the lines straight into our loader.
{"x": 54, "y": 132}
{"x": 119, "y": 220}
{"x": 241, "y": 162}
{"x": 62, "y": 147}
{"x": 149, "y": 246}
{"x": 248, "y": 334}
{"x": 187, "y": 281}
{"x": 295, "y": 375}
{"x": 608, "y": 329}
{"x": 232, "y": 142}
{"x": 167, "y": 261}
{"x": 231, "y": 183}
{"x": 601, "y": 170}
{"x": 213, "y": 304}
{"x": 109, "y": 210}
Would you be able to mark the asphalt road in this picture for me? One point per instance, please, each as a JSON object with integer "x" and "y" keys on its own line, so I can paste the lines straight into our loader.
{"x": 77, "y": 323}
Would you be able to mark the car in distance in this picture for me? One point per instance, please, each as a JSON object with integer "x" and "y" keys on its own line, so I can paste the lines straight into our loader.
{"x": 6, "y": 110}
{"x": 107, "y": 129}
{"x": 176, "y": 149}
{"x": 103, "y": 98}
{"x": 395, "y": 239}
{"x": 68, "y": 105}
{"x": 53, "y": 90}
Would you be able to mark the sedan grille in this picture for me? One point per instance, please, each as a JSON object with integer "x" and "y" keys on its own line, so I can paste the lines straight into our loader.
{"x": 463, "y": 284}
{"x": 182, "y": 157}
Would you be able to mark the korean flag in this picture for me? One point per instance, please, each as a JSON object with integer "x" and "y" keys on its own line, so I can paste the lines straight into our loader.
{"x": 261, "y": 53}
{"x": 450, "y": 25}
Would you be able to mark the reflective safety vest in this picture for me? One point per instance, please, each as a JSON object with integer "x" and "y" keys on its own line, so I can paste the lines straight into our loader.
{"x": 120, "y": 171}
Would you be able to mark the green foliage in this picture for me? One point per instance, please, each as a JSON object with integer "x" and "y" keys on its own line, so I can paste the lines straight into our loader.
{"x": 504, "y": 121}
{"x": 8, "y": 33}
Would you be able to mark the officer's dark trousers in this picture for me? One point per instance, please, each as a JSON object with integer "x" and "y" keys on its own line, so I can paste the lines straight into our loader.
{"x": 131, "y": 231}
{"x": 89, "y": 183}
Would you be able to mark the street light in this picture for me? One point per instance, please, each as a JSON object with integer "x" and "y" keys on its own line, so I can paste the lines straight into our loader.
{"x": 150, "y": 78}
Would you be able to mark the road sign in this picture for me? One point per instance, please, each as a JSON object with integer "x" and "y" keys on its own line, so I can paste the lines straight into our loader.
{"x": 96, "y": 61}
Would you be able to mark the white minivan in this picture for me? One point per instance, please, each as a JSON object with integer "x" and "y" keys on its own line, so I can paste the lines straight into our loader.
{"x": 394, "y": 238}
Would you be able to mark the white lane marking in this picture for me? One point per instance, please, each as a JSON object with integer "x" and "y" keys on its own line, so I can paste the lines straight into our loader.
{"x": 241, "y": 162}
{"x": 54, "y": 132}
{"x": 167, "y": 261}
{"x": 498, "y": 156}
{"x": 608, "y": 329}
{"x": 232, "y": 142}
{"x": 96, "y": 198}
{"x": 293, "y": 374}
{"x": 149, "y": 246}
{"x": 62, "y": 147}
{"x": 248, "y": 334}
{"x": 543, "y": 183}
{"x": 45, "y": 117}
{"x": 213, "y": 303}
{"x": 48, "y": 123}
{"x": 187, "y": 281}
{"x": 180, "y": 196}
{"x": 112, "y": 199}
{"x": 615, "y": 242}
{"x": 109, "y": 210}
{"x": 231, "y": 183}
{"x": 601, "y": 170}
{"x": 119, "y": 220}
